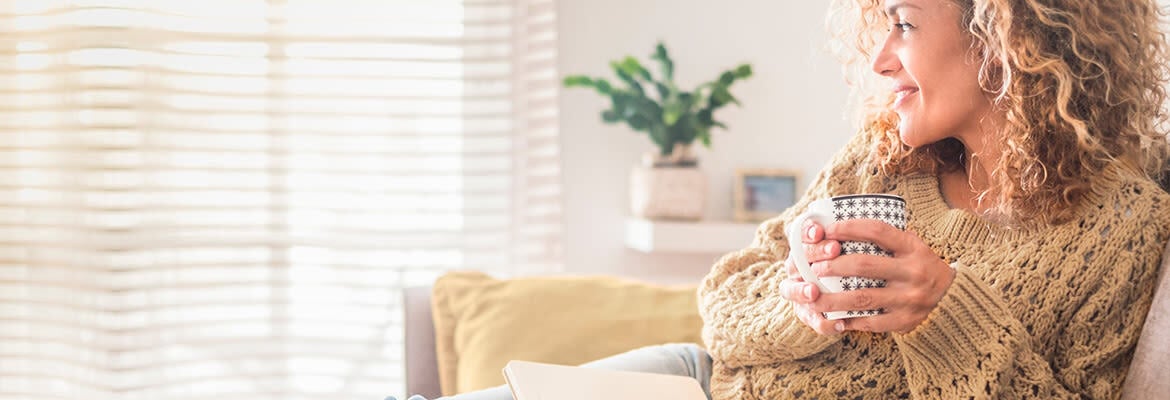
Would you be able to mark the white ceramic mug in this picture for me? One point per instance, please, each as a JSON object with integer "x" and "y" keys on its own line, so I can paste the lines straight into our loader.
{"x": 887, "y": 208}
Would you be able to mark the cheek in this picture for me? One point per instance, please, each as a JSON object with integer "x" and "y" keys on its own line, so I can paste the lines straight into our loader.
{"x": 963, "y": 78}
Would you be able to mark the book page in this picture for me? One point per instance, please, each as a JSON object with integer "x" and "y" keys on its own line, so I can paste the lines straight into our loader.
{"x": 537, "y": 381}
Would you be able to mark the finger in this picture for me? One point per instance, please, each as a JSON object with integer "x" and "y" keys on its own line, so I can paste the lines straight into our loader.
{"x": 877, "y": 232}
{"x": 824, "y": 326}
{"x": 812, "y": 232}
{"x": 829, "y": 327}
{"x": 863, "y": 299}
{"x": 798, "y": 292}
{"x": 818, "y": 323}
{"x": 823, "y": 250}
{"x": 863, "y": 265}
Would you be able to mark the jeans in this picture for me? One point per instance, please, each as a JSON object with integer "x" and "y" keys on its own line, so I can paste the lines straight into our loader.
{"x": 673, "y": 359}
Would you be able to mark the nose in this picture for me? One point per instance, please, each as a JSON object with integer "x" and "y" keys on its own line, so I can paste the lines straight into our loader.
{"x": 885, "y": 62}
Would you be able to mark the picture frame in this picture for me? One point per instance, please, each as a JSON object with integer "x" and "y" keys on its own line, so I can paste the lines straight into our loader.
{"x": 762, "y": 193}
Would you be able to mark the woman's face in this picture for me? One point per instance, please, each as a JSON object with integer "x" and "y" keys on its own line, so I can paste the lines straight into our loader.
{"x": 935, "y": 78}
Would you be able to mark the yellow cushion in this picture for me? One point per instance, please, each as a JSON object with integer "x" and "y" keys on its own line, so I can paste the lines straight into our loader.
{"x": 481, "y": 322}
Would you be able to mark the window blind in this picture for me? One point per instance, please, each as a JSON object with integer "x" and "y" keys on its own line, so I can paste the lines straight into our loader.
{"x": 223, "y": 198}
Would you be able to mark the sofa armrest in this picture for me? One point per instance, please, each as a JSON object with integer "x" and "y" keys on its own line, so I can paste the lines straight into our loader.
{"x": 422, "y": 370}
{"x": 1148, "y": 376}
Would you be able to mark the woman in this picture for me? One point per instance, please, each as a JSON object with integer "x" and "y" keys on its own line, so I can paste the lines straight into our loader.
{"x": 1023, "y": 135}
{"x": 1019, "y": 133}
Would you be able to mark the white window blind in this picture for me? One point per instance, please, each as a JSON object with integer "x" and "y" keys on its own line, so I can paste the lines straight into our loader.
{"x": 221, "y": 199}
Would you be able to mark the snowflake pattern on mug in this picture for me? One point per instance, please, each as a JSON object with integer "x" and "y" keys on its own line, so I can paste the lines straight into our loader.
{"x": 864, "y": 313}
{"x": 885, "y": 208}
{"x": 856, "y": 282}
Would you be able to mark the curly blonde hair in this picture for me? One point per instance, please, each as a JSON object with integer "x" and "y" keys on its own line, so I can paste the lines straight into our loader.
{"x": 1081, "y": 83}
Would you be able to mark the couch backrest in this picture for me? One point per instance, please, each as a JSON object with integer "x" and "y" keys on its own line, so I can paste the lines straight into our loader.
{"x": 1149, "y": 376}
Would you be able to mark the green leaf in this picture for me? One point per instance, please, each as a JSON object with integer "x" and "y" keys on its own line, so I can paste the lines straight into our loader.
{"x": 664, "y": 91}
{"x": 705, "y": 138}
{"x": 704, "y": 117}
{"x": 632, "y": 67}
{"x": 620, "y": 101}
{"x": 638, "y": 123}
{"x": 726, "y": 78}
{"x": 671, "y": 112}
{"x": 603, "y": 86}
{"x": 685, "y": 130}
{"x": 743, "y": 71}
{"x": 649, "y": 110}
{"x": 660, "y": 52}
{"x": 663, "y": 58}
{"x": 621, "y": 73}
{"x": 577, "y": 80}
{"x": 721, "y": 96}
{"x": 687, "y": 100}
{"x": 658, "y": 136}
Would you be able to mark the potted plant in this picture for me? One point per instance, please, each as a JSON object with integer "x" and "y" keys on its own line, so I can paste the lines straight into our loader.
{"x": 669, "y": 183}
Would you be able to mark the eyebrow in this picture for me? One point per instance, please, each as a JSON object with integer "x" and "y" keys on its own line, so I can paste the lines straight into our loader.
{"x": 893, "y": 8}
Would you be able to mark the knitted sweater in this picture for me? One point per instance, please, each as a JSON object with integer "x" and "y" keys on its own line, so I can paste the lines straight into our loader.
{"x": 1050, "y": 312}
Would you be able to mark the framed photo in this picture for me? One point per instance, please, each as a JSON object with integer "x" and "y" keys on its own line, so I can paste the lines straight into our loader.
{"x": 763, "y": 193}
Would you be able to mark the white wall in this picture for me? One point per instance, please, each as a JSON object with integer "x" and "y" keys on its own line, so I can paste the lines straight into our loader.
{"x": 793, "y": 115}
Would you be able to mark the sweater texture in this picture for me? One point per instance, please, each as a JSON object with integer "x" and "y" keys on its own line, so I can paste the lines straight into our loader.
{"x": 1045, "y": 311}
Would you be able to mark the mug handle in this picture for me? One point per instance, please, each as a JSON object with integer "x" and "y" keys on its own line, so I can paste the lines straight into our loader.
{"x": 821, "y": 212}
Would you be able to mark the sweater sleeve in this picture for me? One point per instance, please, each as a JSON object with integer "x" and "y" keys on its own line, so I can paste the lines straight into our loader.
{"x": 971, "y": 346}
{"x": 746, "y": 321}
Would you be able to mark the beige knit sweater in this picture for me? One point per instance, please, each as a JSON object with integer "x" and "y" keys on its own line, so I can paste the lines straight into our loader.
{"x": 1046, "y": 313}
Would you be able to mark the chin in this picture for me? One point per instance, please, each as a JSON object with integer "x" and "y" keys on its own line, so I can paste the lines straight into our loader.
{"x": 908, "y": 137}
{"x": 915, "y": 138}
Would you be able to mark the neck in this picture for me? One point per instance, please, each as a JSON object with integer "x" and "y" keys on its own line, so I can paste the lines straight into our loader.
{"x": 962, "y": 188}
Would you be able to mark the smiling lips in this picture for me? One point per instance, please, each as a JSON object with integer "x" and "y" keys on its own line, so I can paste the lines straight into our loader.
{"x": 901, "y": 93}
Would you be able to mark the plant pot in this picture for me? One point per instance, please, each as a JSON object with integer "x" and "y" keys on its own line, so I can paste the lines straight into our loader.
{"x": 677, "y": 193}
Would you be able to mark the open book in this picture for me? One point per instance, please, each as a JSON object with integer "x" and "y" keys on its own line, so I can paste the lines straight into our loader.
{"x": 537, "y": 381}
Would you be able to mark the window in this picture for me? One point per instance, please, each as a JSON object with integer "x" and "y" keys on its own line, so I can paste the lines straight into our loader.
{"x": 223, "y": 198}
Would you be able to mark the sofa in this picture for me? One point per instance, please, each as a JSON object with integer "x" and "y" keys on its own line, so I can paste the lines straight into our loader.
{"x": 424, "y": 345}
{"x": 462, "y": 330}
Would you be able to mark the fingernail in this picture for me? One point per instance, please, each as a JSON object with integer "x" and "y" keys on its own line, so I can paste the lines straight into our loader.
{"x": 828, "y": 248}
{"x": 811, "y": 232}
{"x": 840, "y": 326}
{"x": 807, "y": 291}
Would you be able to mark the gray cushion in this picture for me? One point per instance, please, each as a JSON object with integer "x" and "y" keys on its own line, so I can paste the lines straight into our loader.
{"x": 422, "y": 367}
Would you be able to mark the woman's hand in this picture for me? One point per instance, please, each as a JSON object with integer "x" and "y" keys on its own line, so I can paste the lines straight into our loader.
{"x": 802, "y": 294}
{"x": 916, "y": 278}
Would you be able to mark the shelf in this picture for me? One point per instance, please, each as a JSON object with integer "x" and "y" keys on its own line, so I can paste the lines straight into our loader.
{"x": 708, "y": 237}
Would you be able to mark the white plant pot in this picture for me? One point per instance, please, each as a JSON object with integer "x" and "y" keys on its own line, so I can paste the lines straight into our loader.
{"x": 667, "y": 192}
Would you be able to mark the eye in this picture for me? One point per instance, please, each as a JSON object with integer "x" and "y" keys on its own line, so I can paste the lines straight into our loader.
{"x": 902, "y": 26}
